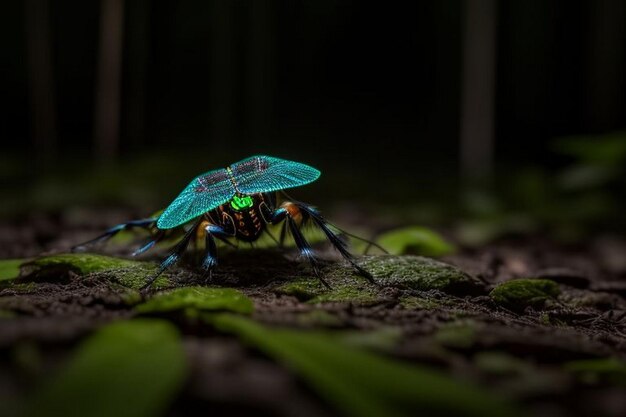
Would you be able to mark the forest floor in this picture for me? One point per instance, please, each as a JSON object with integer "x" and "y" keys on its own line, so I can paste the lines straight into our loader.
{"x": 517, "y": 327}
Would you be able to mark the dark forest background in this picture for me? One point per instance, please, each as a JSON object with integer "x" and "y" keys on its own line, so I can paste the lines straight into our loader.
{"x": 389, "y": 99}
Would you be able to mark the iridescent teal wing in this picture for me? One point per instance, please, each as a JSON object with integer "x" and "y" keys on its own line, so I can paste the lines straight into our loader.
{"x": 263, "y": 174}
{"x": 257, "y": 174}
{"x": 204, "y": 193}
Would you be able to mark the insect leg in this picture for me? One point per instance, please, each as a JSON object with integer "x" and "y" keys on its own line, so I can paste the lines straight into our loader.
{"x": 143, "y": 223}
{"x": 211, "y": 232}
{"x": 283, "y": 234}
{"x": 210, "y": 259}
{"x": 306, "y": 250}
{"x": 313, "y": 211}
{"x": 301, "y": 242}
{"x": 150, "y": 244}
{"x": 173, "y": 257}
{"x": 335, "y": 240}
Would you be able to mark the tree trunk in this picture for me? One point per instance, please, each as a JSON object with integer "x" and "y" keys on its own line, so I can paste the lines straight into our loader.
{"x": 478, "y": 94}
{"x": 41, "y": 83}
{"x": 108, "y": 87}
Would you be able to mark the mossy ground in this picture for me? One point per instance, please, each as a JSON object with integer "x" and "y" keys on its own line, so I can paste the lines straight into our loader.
{"x": 350, "y": 290}
{"x": 404, "y": 272}
{"x": 421, "y": 302}
{"x": 521, "y": 293}
{"x": 420, "y": 273}
{"x": 129, "y": 273}
{"x": 410, "y": 344}
{"x": 197, "y": 298}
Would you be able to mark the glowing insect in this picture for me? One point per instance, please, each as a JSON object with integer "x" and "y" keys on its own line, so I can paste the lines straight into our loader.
{"x": 238, "y": 202}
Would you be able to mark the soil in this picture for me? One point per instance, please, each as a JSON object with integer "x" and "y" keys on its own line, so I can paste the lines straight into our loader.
{"x": 521, "y": 351}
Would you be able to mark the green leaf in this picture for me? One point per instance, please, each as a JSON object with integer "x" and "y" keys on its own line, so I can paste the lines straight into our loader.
{"x": 361, "y": 383}
{"x": 415, "y": 240}
{"x": 586, "y": 177}
{"x": 607, "y": 150}
{"x": 198, "y": 298}
{"x": 10, "y": 268}
{"x": 126, "y": 369}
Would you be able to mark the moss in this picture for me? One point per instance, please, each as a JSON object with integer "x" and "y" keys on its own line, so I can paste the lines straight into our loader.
{"x": 545, "y": 319}
{"x": 521, "y": 293}
{"x": 198, "y": 298}
{"x": 350, "y": 290}
{"x": 420, "y": 273}
{"x": 132, "y": 274}
{"x": 302, "y": 289}
{"x": 419, "y": 303}
{"x": 79, "y": 263}
{"x": 415, "y": 240}
{"x": 23, "y": 287}
{"x": 347, "y": 293}
{"x": 403, "y": 271}
{"x": 135, "y": 277}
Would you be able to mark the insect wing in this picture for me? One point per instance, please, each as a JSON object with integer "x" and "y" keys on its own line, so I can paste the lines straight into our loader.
{"x": 262, "y": 174}
{"x": 204, "y": 193}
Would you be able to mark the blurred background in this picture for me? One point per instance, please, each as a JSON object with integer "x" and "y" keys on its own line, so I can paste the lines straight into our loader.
{"x": 508, "y": 115}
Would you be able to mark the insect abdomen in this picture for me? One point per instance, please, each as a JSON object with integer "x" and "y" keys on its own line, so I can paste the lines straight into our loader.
{"x": 249, "y": 223}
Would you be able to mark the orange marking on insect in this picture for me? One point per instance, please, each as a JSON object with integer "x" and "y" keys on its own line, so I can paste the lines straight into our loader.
{"x": 293, "y": 211}
{"x": 200, "y": 230}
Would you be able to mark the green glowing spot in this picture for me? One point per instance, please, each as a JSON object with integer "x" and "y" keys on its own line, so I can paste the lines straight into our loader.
{"x": 240, "y": 203}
